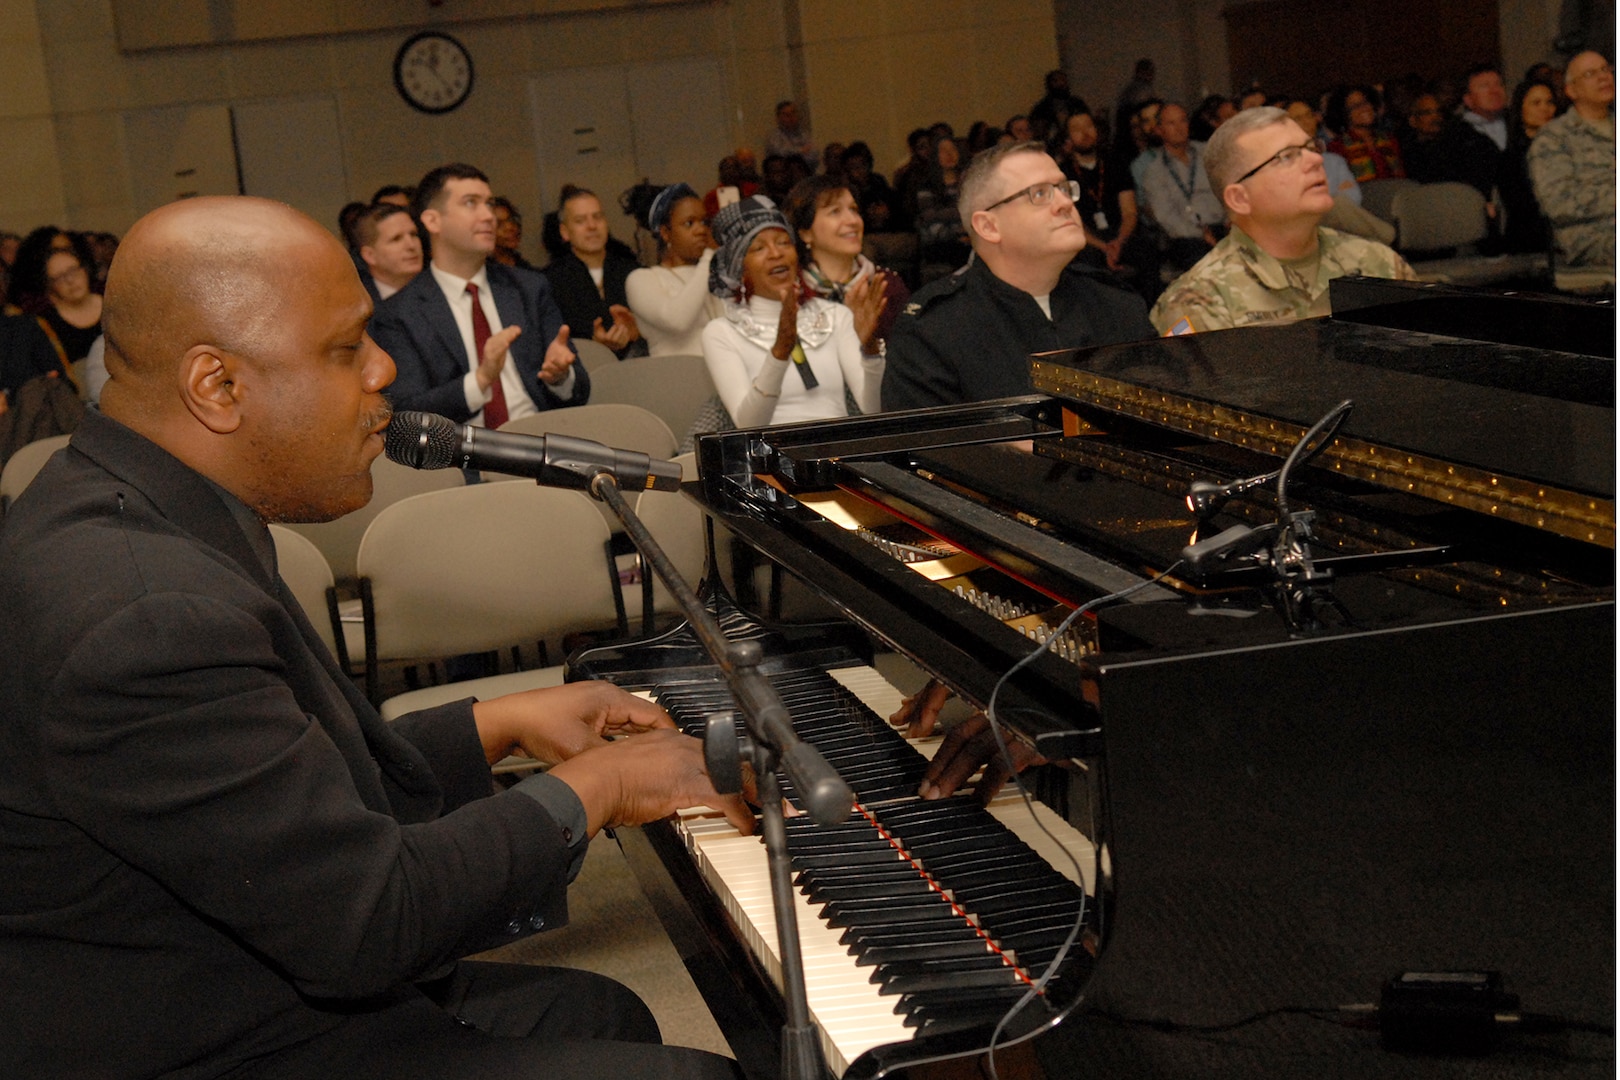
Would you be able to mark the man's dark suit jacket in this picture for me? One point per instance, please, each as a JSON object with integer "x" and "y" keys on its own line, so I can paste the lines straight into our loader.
{"x": 416, "y": 327}
{"x": 576, "y": 293}
{"x": 211, "y": 847}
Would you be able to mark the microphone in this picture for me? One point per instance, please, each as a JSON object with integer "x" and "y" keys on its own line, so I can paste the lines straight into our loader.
{"x": 1205, "y": 498}
{"x": 429, "y": 441}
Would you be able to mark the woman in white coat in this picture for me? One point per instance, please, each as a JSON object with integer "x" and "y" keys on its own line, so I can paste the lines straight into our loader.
{"x": 780, "y": 354}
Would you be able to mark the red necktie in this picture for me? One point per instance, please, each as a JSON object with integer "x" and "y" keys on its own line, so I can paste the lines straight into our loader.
{"x": 495, "y": 409}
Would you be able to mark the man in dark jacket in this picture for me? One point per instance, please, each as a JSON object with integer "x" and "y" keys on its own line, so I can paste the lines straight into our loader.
{"x": 588, "y": 280}
{"x": 474, "y": 340}
{"x": 215, "y": 858}
{"x": 968, "y": 337}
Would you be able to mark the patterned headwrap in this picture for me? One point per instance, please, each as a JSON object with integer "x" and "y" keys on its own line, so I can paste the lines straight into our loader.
{"x": 735, "y": 227}
{"x": 664, "y": 203}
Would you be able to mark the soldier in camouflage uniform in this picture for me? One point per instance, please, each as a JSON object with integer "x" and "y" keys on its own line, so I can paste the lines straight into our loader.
{"x": 1275, "y": 264}
{"x": 1572, "y": 166}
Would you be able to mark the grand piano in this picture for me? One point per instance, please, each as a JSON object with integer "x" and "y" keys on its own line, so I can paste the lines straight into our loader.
{"x": 1276, "y": 776}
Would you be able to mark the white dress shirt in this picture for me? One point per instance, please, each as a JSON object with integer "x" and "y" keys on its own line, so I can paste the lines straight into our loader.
{"x": 518, "y": 402}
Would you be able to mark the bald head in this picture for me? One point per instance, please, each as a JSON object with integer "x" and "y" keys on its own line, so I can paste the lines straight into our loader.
{"x": 236, "y": 341}
{"x": 200, "y": 271}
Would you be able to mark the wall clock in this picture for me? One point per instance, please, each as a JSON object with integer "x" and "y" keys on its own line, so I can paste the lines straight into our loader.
{"x": 433, "y": 72}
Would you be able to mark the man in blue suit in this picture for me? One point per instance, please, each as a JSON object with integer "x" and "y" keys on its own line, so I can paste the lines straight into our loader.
{"x": 473, "y": 340}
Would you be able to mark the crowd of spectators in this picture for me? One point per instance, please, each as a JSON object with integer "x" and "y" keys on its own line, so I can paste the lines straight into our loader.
{"x": 864, "y": 235}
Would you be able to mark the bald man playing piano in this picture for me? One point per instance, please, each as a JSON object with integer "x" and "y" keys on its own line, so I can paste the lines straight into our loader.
{"x": 215, "y": 858}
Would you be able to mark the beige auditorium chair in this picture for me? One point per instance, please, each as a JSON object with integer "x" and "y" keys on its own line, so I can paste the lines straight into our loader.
{"x": 672, "y": 387}
{"x": 594, "y": 356}
{"x": 307, "y": 574}
{"x": 480, "y": 568}
{"x": 24, "y": 465}
{"x": 677, "y": 524}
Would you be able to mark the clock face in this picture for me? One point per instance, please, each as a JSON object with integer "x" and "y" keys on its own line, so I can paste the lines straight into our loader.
{"x": 433, "y": 72}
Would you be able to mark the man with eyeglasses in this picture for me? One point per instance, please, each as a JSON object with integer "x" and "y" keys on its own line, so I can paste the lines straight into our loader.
{"x": 1572, "y": 166}
{"x": 968, "y": 337}
{"x": 1275, "y": 263}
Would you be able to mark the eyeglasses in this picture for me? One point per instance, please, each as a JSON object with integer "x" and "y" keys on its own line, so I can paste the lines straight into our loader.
{"x": 1604, "y": 69}
{"x": 1284, "y": 157}
{"x": 65, "y": 275}
{"x": 1041, "y": 194}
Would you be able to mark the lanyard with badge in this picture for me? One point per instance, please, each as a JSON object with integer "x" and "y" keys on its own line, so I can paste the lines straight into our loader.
{"x": 1192, "y": 180}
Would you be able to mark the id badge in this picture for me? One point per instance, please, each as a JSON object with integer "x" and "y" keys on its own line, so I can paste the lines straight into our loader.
{"x": 1100, "y": 219}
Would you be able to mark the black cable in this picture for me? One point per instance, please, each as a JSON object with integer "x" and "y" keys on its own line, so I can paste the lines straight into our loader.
{"x": 1326, "y": 428}
{"x": 1062, "y": 954}
{"x": 1359, "y": 1015}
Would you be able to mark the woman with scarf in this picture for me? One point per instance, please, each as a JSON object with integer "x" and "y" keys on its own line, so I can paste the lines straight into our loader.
{"x": 772, "y": 323}
{"x": 827, "y": 222}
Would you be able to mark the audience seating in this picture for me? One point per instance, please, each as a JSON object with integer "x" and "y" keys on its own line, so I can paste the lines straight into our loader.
{"x": 594, "y": 356}
{"x": 24, "y": 465}
{"x": 482, "y": 567}
{"x": 677, "y": 524}
{"x": 307, "y": 574}
{"x": 673, "y": 388}
{"x": 1450, "y": 217}
{"x": 339, "y": 540}
{"x": 626, "y": 427}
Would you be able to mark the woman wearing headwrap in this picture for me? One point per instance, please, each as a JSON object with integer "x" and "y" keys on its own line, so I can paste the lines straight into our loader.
{"x": 671, "y": 301}
{"x": 772, "y": 324}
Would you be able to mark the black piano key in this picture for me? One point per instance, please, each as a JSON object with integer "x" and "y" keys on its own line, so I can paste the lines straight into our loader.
{"x": 915, "y": 886}
{"x": 879, "y": 913}
{"x": 937, "y": 965}
{"x": 872, "y": 955}
{"x": 862, "y": 937}
{"x": 1002, "y": 975}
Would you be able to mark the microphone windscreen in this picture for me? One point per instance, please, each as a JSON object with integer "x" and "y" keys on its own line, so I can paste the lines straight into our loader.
{"x": 422, "y": 440}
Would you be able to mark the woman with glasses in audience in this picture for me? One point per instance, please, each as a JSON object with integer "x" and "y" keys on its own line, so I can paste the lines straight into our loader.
{"x": 671, "y": 301}
{"x": 53, "y": 284}
{"x": 1524, "y": 228}
{"x": 780, "y": 353}
{"x": 1372, "y": 153}
{"x": 827, "y": 223}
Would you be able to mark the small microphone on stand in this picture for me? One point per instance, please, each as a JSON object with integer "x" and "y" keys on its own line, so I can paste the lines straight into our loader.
{"x": 1205, "y": 499}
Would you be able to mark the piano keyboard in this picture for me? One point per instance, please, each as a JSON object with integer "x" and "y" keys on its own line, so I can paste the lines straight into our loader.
{"x": 914, "y": 917}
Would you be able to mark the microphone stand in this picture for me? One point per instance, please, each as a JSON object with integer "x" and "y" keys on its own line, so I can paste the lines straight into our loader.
{"x": 771, "y": 744}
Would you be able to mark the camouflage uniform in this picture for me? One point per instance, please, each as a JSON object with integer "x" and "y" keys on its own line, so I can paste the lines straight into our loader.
{"x": 1237, "y": 284}
{"x": 1572, "y": 168}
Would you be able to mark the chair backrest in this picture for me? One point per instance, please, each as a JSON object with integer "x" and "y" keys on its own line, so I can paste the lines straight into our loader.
{"x": 340, "y": 540}
{"x": 594, "y": 355}
{"x": 672, "y": 387}
{"x": 1377, "y": 195}
{"x": 624, "y": 426}
{"x": 24, "y": 465}
{"x": 677, "y": 524}
{"x": 1429, "y": 217}
{"x": 483, "y": 566}
{"x": 307, "y": 574}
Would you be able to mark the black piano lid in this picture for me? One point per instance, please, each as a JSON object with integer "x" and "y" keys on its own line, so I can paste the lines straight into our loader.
{"x": 1471, "y": 423}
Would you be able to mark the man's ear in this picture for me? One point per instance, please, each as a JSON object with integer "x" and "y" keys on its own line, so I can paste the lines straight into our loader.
{"x": 209, "y": 388}
{"x": 368, "y": 255}
{"x": 986, "y": 226}
{"x": 430, "y": 221}
{"x": 1236, "y": 198}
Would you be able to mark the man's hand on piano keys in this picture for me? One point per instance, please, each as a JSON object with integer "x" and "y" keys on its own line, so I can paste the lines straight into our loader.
{"x": 646, "y": 777}
{"x": 967, "y": 747}
{"x": 919, "y": 713}
{"x": 558, "y": 722}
